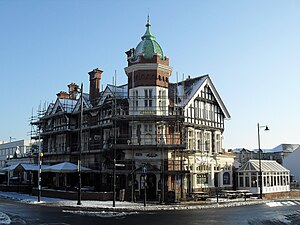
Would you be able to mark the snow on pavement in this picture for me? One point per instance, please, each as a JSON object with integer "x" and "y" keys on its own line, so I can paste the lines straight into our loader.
{"x": 100, "y": 214}
{"x": 120, "y": 206}
{"x": 4, "y": 219}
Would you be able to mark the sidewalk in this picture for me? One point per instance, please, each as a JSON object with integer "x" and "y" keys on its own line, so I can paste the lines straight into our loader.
{"x": 128, "y": 206}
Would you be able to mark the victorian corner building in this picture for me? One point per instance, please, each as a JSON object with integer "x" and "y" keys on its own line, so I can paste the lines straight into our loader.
{"x": 164, "y": 136}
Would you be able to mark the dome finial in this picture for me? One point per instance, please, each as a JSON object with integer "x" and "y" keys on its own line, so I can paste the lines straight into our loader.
{"x": 148, "y": 20}
{"x": 148, "y": 34}
{"x": 148, "y": 47}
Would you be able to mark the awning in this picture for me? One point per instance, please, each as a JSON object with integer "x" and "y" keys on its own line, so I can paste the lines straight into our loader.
{"x": 66, "y": 167}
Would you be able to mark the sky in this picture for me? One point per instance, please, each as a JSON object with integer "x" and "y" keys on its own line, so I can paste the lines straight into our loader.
{"x": 250, "y": 49}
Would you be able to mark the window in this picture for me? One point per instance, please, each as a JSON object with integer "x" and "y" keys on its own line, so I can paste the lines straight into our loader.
{"x": 202, "y": 179}
{"x": 253, "y": 180}
{"x": 148, "y": 97}
{"x": 272, "y": 182}
{"x": 150, "y": 93}
{"x": 207, "y": 141}
{"x": 226, "y": 178}
{"x": 218, "y": 143}
{"x": 196, "y": 109}
{"x": 241, "y": 181}
{"x": 247, "y": 182}
{"x": 148, "y": 128}
{"x": 136, "y": 96}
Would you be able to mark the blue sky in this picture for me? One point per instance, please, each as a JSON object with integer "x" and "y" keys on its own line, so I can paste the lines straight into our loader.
{"x": 251, "y": 50}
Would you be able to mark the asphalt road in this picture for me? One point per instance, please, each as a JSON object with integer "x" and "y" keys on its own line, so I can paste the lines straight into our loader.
{"x": 22, "y": 213}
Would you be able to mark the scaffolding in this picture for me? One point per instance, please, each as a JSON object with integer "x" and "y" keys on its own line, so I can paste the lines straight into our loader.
{"x": 136, "y": 128}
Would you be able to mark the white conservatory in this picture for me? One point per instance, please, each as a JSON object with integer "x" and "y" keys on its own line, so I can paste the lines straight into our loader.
{"x": 275, "y": 177}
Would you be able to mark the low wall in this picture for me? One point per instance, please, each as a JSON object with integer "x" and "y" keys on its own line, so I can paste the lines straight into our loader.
{"x": 26, "y": 189}
{"x": 72, "y": 195}
{"x": 288, "y": 194}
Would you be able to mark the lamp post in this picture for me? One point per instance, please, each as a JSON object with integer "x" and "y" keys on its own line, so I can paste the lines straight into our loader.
{"x": 115, "y": 140}
{"x": 259, "y": 160}
{"x": 40, "y": 155}
{"x": 81, "y": 146}
{"x": 145, "y": 184}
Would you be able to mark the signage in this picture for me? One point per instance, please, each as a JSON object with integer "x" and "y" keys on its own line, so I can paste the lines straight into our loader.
{"x": 151, "y": 155}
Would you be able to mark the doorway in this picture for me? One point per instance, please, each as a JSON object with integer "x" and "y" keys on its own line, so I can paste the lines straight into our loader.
{"x": 151, "y": 186}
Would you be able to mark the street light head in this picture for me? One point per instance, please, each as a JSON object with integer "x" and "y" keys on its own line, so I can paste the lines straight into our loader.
{"x": 267, "y": 128}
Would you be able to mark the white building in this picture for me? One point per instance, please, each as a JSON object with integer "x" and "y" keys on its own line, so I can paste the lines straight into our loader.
{"x": 291, "y": 162}
{"x": 13, "y": 149}
{"x": 275, "y": 177}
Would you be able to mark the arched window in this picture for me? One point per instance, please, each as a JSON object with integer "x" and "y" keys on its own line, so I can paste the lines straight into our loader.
{"x": 226, "y": 178}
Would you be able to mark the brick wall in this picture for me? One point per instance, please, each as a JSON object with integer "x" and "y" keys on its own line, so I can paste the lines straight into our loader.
{"x": 289, "y": 194}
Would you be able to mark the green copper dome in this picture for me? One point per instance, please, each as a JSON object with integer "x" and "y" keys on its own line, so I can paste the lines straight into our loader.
{"x": 148, "y": 46}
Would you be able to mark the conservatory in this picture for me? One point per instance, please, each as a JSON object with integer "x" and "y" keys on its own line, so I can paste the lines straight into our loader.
{"x": 275, "y": 177}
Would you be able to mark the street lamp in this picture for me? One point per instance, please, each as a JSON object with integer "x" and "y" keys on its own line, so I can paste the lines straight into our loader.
{"x": 81, "y": 146}
{"x": 40, "y": 155}
{"x": 259, "y": 159}
{"x": 145, "y": 183}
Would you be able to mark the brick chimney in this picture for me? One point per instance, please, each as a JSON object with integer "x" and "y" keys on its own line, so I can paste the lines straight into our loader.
{"x": 73, "y": 89}
{"x": 95, "y": 77}
{"x": 62, "y": 95}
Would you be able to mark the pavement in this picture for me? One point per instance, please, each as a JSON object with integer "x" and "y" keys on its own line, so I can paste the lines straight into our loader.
{"x": 131, "y": 206}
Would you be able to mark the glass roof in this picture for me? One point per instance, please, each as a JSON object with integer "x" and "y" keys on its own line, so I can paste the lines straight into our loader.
{"x": 266, "y": 166}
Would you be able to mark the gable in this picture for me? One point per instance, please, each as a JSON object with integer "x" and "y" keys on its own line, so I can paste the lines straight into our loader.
{"x": 78, "y": 104}
{"x": 57, "y": 107}
{"x": 107, "y": 93}
{"x": 49, "y": 109}
{"x": 204, "y": 89}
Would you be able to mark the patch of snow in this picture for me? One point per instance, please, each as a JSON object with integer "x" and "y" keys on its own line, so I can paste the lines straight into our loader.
{"x": 101, "y": 214}
{"x": 274, "y": 204}
{"x": 4, "y": 219}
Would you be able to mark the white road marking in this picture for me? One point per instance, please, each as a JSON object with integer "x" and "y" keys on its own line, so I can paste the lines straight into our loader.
{"x": 283, "y": 203}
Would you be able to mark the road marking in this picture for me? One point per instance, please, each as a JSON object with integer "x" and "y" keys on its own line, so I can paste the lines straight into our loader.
{"x": 283, "y": 203}
{"x": 289, "y": 203}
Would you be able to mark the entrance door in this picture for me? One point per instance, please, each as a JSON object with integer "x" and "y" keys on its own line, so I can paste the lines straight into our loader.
{"x": 151, "y": 186}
